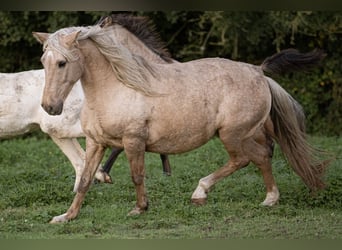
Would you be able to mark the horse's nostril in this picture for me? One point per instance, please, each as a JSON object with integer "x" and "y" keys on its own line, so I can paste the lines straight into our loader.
{"x": 51, "y": 110}
{"x": 45, "y": 107}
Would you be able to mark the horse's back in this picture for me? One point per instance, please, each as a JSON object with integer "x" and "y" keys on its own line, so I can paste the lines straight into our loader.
{"x": 214, "y": 83}
{"x": 19, "y": 97}
{"x": 211, "y": 73}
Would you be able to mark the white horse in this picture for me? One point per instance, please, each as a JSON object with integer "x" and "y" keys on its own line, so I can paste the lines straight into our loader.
{"x": 21, "y": 112}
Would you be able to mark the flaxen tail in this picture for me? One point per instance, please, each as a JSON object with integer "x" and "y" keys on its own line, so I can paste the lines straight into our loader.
{"x": 289, "y": 121}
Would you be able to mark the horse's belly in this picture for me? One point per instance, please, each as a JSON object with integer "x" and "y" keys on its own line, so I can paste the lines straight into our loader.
{"x": 169, "y": 140}
{"x": 12, "y": 126}
{"x": 172, "y": 147}
{"x": 16, "y": 116}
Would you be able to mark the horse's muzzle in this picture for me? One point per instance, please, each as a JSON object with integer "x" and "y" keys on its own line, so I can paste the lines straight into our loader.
{"x": 53, "y": 109}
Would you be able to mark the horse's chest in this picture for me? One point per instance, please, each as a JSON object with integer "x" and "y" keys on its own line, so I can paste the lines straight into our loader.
{"x": 106, "y": 127}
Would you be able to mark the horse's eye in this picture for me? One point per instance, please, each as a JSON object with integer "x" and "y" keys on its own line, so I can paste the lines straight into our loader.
{"x": 61, "y": 64}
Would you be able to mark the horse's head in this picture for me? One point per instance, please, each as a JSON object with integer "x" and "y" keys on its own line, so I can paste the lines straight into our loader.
{"x": 63, "y": 66}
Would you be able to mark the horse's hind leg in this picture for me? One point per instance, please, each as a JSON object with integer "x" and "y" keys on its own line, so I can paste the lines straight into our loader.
{"x": 237, "y": 160}
{"x": 166, "y": 164}
{"x": 111, "y": 159}
{"x": 260, "y": 149}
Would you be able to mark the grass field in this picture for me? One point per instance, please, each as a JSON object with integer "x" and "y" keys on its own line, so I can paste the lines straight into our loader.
{"x": 36, "y": 182}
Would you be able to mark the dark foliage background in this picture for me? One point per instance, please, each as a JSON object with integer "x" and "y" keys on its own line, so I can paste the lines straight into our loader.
{"x": 248, "y": 36}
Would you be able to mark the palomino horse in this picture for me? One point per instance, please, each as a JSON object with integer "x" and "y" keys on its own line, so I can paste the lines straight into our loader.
{"x": 142, "y": 106}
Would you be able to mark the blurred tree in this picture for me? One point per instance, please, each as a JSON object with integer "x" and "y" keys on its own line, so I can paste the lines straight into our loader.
{"x": 18, "y": 48}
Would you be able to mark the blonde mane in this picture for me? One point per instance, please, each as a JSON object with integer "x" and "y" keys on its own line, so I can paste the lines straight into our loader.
{"x": 131, "y": 69}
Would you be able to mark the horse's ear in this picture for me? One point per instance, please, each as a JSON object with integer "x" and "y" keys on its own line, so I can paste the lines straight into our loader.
{"x": 40, "y": 36}
{"x": 70, "y": 39}
{"x": 105, "y": 22}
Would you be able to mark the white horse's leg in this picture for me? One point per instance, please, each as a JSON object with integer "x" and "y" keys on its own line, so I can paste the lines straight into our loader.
{"x": 75, "y": 154}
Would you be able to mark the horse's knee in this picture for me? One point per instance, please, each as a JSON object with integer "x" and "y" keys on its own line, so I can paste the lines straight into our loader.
{"x": 138, "y": 179}
{"x": 84, "y": 184}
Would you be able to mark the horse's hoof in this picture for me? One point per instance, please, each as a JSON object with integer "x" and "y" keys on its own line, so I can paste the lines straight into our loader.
{"x": 272, "y": 198}
{"x": 103, "y": 177}
{"x": 59, "y": 219}
{"x": 199, "y": 201}
{"x": 269, "y": 203}
{"x": 136, "y": 211}
{"x": 107, "y": 178}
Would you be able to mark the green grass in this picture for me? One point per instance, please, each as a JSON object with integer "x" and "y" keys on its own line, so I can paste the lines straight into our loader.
{"x": 36, "y": 182}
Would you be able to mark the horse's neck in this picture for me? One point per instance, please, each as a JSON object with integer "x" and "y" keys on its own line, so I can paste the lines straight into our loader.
{"x": 97, "y": 70}
{"x": 135, "y": 45}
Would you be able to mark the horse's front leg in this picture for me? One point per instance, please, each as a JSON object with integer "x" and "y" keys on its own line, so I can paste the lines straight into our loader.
{"x": 94, "y": 155}
{"x": 76, "y": 155}
{"x": 74, "y": 152}
{"x": 135, "y": 151}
